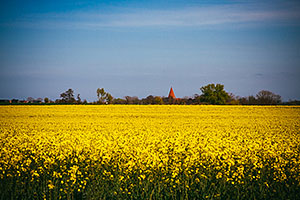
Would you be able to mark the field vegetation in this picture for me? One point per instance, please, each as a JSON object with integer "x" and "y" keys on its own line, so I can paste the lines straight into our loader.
{"x": 149, "y": 152}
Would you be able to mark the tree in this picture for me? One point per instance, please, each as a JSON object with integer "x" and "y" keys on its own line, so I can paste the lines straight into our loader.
{"x": 119, "y": 101}
{"x": 30, "y": 99}
{"x": 46, "y": 100}
{"x": 149, "y": 100}
{"x": 232, "y": 100}
{"x": 108, "y": 98}
{"x": 39, "y": 99}
{"x": 293, "y": 102}
{"x": 132, "y": 100}
{"x": 197, "y": 99}
{"x": 79, "y": 99}
{"x": 265, "y": 97}
{"x": 158, "y": 100}
{"x": 250, "y": 100}
{"x": 68, "y": 96}
{"x": 104, "y": 97}
{"x": 101, "y": 95}
{"x": 214, "y": 94}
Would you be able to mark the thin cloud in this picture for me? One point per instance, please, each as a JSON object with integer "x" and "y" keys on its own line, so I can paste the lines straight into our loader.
{"x": 187, "y": 17}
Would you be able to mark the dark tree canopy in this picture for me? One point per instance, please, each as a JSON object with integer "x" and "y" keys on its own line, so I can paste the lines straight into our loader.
{"x": 265, "y": 97}
{"x": 211, "y": 94}
{"x": 119, "y": 101}
{"x": 46, "y": 100}
{"x": 214, "y": 94}
{"x": 68, "y": 96}
{"x": 158, "y": 100}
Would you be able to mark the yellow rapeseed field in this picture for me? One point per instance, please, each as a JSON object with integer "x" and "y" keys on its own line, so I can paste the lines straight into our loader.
{"x": 149, "y": 152}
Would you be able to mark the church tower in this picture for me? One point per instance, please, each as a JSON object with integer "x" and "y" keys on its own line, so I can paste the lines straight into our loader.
{"x": 171, "y": 94}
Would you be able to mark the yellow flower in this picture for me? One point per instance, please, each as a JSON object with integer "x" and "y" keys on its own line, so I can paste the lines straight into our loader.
{"x": 231, "y": 143}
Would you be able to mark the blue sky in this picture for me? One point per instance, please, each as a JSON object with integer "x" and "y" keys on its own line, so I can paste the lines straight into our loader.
{"x": 138, "y": 48}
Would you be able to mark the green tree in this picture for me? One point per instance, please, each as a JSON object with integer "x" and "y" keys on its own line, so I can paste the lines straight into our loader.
{"x": 108, "y": 98}
{"x": 149, "y": 100}
{"x": 68, "y": 96}
{"x": 46, "y": 100}
{"x": 232, "y": 100}
{"x": 119, "y": 101}
{"x": 214, "y": 94}
{"x": 101, "y": 95}
{"x": 104, "y": 97}
{"x": 158, "y": 100}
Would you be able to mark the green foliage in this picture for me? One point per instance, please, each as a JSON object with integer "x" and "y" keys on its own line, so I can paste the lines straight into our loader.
{"x": 46, "y": 100}
{"x": 101, "y": 95}
{"x": 112, "y": 180}
{"x": 158, "y": 100}
{"x": 214, "y": 94}
{"x": 119, "y": 101}
{"x": 68, "y": 96}
{"x": 104, "y": 97}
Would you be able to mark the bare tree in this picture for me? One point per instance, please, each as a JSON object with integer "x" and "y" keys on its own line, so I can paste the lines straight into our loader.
{"x": 266, "y": 97}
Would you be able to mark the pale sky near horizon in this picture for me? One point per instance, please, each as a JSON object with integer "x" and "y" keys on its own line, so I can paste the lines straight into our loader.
{"x": 143, "y": 47}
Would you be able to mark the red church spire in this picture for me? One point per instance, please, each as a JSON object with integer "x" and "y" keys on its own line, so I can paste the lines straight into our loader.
{"x": 171, "y": 94}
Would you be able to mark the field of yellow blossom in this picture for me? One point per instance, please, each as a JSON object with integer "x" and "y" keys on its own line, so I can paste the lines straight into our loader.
{"x": 149, "y": 152}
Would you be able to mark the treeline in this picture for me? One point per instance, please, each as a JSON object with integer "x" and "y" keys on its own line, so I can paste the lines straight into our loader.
{"x": 211, "y": 94}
